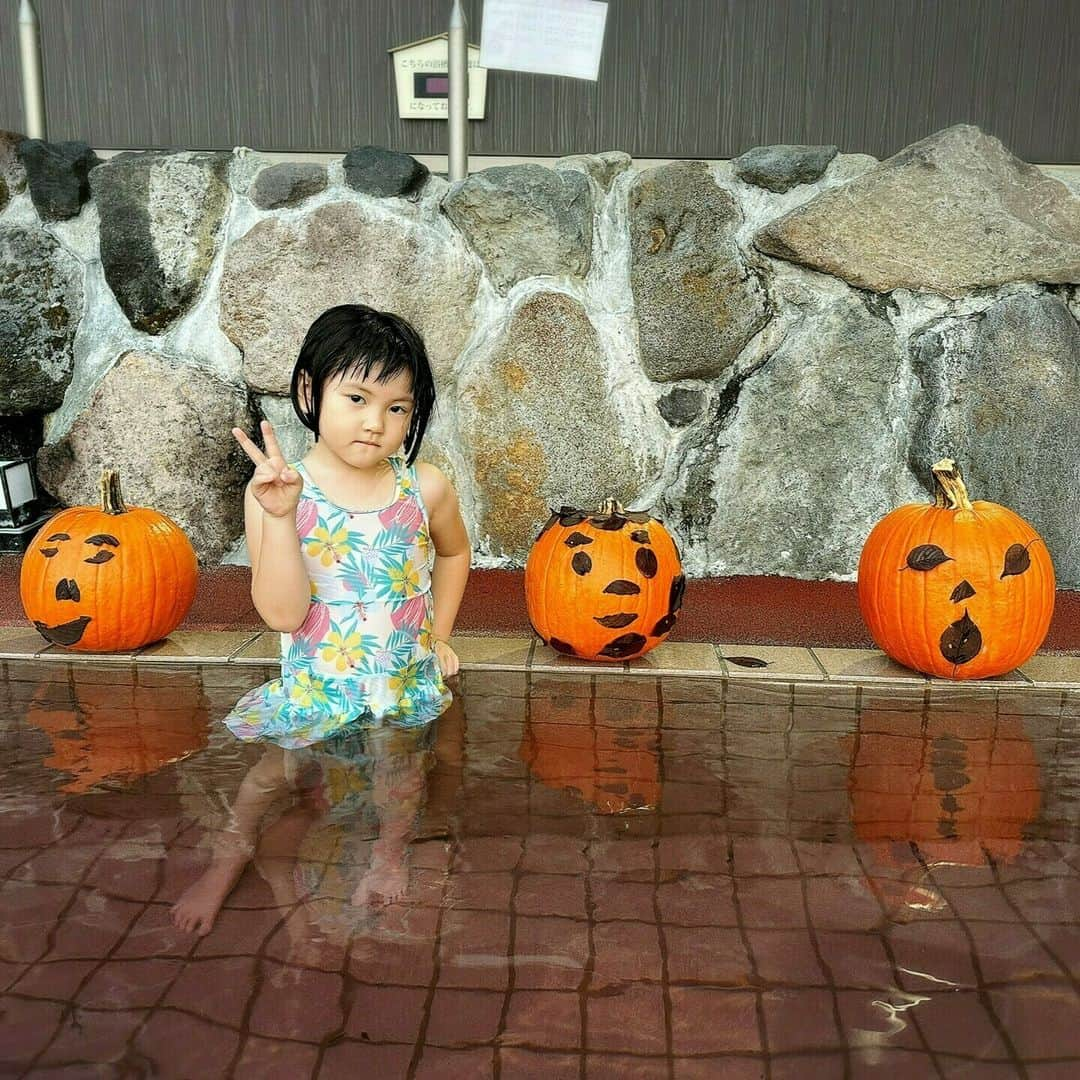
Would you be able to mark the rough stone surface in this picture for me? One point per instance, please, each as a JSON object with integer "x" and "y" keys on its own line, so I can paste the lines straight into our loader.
{"x": 287, "y": 184}
{"x": 20, "y": 436}
{"x": 161, "y": 216}
{"x": 280, "y": 275}
{"x": 949, "y": 214}
{"x": 524, "y": 220}
{"x": 557, "y": 440}
{"x": 58, "y": 176}
{"x": 1000, "y": 395}
{"x": 681, "y": 406}
{"x": 780, "y": 168}
{"x": 384, "y": 173}
{"x": 166, "y": 426}
{"x": 805, "y": 455}
{"x": 12, "y": 173}
{"x": 41, "y": 301}
{"x": 602, "y": 167}
{"x": 697, "y": 302}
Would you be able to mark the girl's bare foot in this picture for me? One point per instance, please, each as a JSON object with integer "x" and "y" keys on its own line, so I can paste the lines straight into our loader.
{"x": 386, "y": 880}
{"x": 198, "y": 906}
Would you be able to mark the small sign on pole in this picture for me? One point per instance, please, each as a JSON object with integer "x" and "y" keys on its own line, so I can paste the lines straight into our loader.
{"x": 547, "y": 37}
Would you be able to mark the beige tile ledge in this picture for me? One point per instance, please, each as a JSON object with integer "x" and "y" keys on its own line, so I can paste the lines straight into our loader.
{"x": 672, "y": 658}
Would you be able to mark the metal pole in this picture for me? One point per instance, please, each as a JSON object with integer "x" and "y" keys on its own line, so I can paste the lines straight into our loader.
{"x": 458, "y": 102}
{"x": 30, "y": 60}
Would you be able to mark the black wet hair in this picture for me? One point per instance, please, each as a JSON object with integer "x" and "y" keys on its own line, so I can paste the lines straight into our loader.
{"x": 357, "y": 339}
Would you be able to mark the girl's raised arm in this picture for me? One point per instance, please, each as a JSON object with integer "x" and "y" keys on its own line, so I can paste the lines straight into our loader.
{"x": 280, "y": 588}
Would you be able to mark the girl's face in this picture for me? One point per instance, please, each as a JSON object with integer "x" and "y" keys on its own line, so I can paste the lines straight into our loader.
{"x": 364, "y": 421}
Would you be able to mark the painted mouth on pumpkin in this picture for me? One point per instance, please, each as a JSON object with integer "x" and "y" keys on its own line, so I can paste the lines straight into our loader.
{"x": 64, "y": 633}
{"x": 962, "y": 641}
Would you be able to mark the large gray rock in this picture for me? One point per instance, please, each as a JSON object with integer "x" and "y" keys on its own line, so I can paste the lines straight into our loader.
{"x": 602, "y": 167}
{"x": 12, "y": 172}
{"x": 780, "y": 168}
{"x": 1000, "y": 395}
{"x": 536, "y": 432}
{"x": 949, "y": 214}
{"x": 806, "y": 453}
{"x": 287, "y": 184}
{"x": 161, "y": 216}
{"x": 524, "y": 220}
{"x": 58, "y": 176}
{"x": 41, "y": 303}
{"x": 697, "y": 302}
{"x": 280, "y": 275}
{"x": 166, "y": 425}
{"x": 383, "y": 173}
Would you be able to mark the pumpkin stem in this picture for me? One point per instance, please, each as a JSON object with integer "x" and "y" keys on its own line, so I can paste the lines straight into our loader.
{"x": 949, "y": 490}
{"x": 612, "y": 506}
{"x": 112, "y": 501}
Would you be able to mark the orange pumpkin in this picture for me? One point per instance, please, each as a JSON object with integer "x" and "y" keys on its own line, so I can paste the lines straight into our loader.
{"x": 108, "y": 579}
{"x": 603, "y": 585}
{"x": 118, "y": 733}
{"x": 957, "y": 589}
{"x": 955, "y": 796}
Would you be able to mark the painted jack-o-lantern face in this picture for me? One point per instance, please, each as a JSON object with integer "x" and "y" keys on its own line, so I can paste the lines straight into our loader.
{"x": 957, "y": 589}
{"x": 108, "y": 579}
{"x": 605, "y": 585}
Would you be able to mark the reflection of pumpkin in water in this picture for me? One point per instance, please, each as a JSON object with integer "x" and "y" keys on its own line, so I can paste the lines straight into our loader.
{"x": 955, "y": 797}
{"x": 120, "y": 732}
{"x": 616, "y": 769}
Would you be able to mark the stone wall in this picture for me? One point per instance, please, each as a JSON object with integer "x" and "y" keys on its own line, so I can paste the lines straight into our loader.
{"x": 767, "y": 352}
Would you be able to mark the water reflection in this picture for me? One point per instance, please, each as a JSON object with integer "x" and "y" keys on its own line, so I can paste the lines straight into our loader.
{"x": 563, "y": 873}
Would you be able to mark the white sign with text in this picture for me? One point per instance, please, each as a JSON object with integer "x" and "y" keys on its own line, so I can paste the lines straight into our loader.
{"x": 547, "y": 37}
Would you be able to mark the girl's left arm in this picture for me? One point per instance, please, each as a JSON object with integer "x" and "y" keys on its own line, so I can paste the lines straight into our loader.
{"x": 453, "y": 552}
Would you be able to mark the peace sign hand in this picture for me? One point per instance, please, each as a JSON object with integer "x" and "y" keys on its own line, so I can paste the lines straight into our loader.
{"x": 276, "y": 486}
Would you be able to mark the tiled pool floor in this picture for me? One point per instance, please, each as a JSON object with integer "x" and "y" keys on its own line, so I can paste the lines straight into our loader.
{"x": 625, "y": 875}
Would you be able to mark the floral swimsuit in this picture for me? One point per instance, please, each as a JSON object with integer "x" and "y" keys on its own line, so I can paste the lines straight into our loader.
{"x": 363, "y": 656}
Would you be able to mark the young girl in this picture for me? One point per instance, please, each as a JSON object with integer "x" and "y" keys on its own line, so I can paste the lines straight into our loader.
{"x": 359, "y": 556}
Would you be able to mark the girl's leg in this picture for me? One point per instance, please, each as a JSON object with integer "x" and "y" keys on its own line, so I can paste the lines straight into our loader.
{"x": 199, "y": 904}
{"x": 398, "y": 792}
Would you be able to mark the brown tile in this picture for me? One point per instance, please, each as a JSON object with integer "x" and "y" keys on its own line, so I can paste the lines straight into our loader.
{"x": 707, "y": 1021}
{"x": 473, "y": 949}
{"x": 679, "y": 657}
{"x": 89, "y": 1035}
{"x": 296, "y": 1003}
{"x": 216, "y": 989}
{"x": 480, "y": 891}
{"x": 550, "y": 894}
{"x": 771, "y": 903}
{"x": 440, "y": 1064}
{"x": 625, "y": 952}
{"x": 554, "y": 854}
{"x": 729, "y": 1066}
{"x": 864, "y": 665}
{"x": 488, "y": 853}
{"x": 615, "y": 898}
{"x": 1042, "y": 1021}
{"x": 631, "y": 1019}
{"x": 543, "y": 1019}
{"x": 786, "y": 956}
{"x": 275, "y": 1059}
{"x": 530, "y": 1065}
{"x": 618, "y": 1066}
{"x": 386, "y": 1013}
{"x": 549, "y": 953}
{"x": 461, "y": 1018}
{"x": 175, "y": 1044}
{"x": 348, "y": 1060}
{"x": 195, "y": 646}
{"x": 856, "y": 960}
{"x": 706, "y": 955}
{"x": 482, "y": 652}
{"x": 781, "y": 662}
{"x": 800, "y": 1020}
{"x": 129, "y": 984}
{"x": 698, "y": 900}
{"x": 959, "y": 1023}
{"x": 58, "y": 981}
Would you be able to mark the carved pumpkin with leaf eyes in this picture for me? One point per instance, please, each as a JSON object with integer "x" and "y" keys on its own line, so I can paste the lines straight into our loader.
{"x": 108, "y": 579}
{"x": 957, "y": 589}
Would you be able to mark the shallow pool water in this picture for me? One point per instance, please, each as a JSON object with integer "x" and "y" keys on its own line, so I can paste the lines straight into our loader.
{"x": 606, "y": 876}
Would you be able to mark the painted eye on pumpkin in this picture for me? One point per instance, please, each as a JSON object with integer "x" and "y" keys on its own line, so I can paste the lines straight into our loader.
{"x": 99, "y": 540}
{"x": 926, "y": 557}
{"x": 49, "y": 552}
{"x": 1017, "y": 560}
